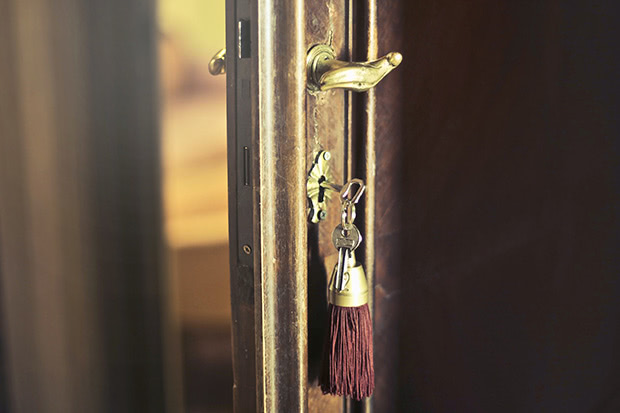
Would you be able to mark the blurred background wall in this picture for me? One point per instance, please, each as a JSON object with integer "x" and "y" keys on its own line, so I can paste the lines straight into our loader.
{"x": 113, "y": 224}
{"x": 82, "y": 258}
{"x": 196, "y": 195}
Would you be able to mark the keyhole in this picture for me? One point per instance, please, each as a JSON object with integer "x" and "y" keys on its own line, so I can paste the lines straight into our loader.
{"x": 321, "y": 189}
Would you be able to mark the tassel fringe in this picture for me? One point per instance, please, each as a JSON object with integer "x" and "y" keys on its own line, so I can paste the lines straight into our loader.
{"x": 348, "y": 368}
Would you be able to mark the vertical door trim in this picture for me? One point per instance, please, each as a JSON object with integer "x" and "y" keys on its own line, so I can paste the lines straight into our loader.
{"x": 281, "y": 283}
{"x": 370, "y": 170}
{"x": 365, "y": 151}
{"x": 370, "y": 158}
{"x": 240, "y": 102}
{"x": 268, "y": 233}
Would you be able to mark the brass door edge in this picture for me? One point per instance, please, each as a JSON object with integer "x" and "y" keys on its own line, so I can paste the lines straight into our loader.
{"x": 281, "y": 247}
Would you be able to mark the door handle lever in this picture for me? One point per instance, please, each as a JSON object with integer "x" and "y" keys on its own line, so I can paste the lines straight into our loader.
{"x": 217, "y": 65}
{"x": 325, "y": 72}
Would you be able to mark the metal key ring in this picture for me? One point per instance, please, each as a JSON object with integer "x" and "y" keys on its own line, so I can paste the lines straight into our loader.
{"x": 345, "y": 193}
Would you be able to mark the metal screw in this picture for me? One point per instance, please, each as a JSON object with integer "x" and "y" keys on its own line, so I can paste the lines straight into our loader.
{"x": 322, "y": 215}
{"x": 247, "y": 249}
{"x": 327, "y": 156}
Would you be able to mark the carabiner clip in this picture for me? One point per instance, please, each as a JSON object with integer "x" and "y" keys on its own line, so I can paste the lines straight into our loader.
{"x": 345, "y": 192}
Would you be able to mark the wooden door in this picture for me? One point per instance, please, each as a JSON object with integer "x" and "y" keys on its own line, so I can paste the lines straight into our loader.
{"x": 489, "y": 232}
{"x": 276, "y": 129}
{"x": 497, "y": 284}
{"x": 83, "y": 291}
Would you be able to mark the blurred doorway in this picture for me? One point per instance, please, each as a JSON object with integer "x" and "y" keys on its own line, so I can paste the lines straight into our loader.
{"x": 195, "y": 197}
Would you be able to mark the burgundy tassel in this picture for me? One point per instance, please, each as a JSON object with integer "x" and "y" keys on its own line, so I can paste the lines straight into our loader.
{"x": 348, "y": 358}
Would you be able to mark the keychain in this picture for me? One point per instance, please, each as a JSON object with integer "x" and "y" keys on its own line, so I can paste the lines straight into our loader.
{"x": 348, "y": 359}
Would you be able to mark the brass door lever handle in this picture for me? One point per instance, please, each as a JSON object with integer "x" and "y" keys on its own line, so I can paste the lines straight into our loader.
{"x": 325, "y": 72}
{"x": 217, "y": 65}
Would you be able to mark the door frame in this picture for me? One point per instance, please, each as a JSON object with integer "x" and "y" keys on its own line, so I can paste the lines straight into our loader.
{"x": 266, "y": 46}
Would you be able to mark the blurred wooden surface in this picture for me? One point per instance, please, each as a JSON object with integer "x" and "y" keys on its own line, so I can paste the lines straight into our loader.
{"x": 193, "y": 111}
{"x": 203, "y": 285}
{"x": 195, "y": 174}
{"x": 207, "y": 375}
{"x": 497, "y": 286}
{"x": 81, "y": 246}
{"x": 193, "y": 148}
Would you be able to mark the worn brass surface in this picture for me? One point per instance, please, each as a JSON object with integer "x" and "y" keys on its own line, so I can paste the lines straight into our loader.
{"x": 280, "y": 208}
{"x": 319, "y": 187}
{"x": 325, "y": 72}
{"x": 217, "y": 65}
{"x": 355, "y": 290}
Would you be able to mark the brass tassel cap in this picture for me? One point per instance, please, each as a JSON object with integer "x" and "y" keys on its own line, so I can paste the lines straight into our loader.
{"x": 355, "y": 290}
